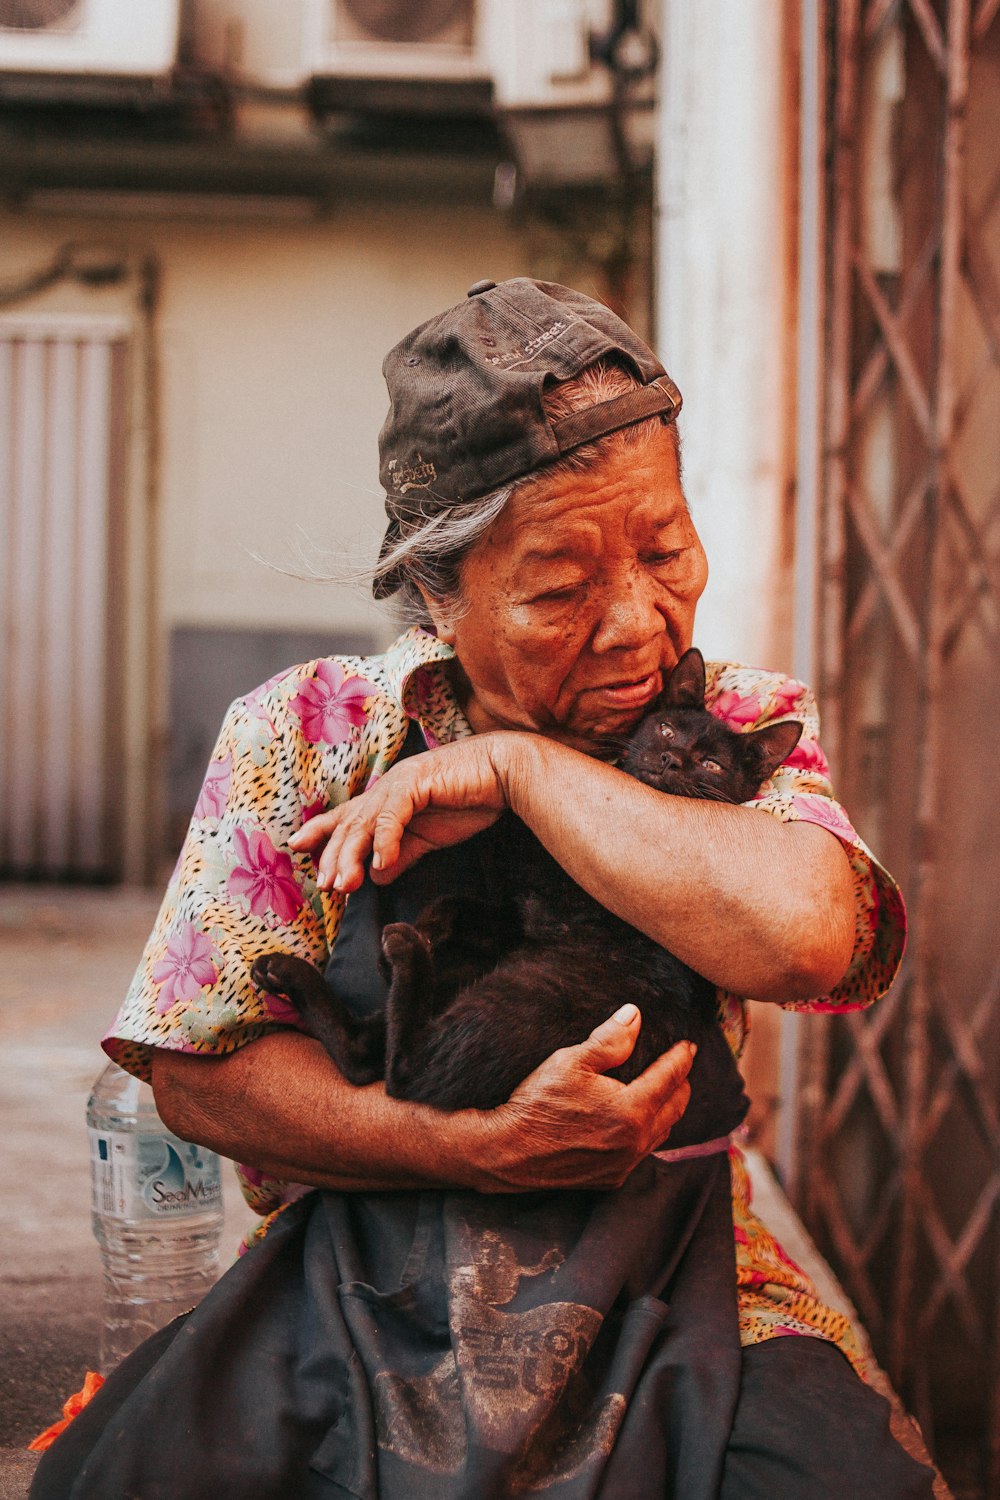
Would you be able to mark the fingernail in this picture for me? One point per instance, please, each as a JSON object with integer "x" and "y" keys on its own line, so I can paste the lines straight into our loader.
{"x": 293, "y": 838}
{"x": 322, "y": 880}
{"x": 376, "y": 861}
{"x": 338, "y": 882}
{"x": 625, "y": 1014}
{"x": 692, "y": 1048}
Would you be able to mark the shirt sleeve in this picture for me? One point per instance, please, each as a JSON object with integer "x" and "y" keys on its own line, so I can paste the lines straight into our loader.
{"x": 237, "y": 890}
{"x": 801, "y": 791}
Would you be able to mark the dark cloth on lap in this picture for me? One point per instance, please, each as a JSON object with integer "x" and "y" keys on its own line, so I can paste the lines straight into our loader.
{"x": 314, "y": 1368}
{"x": 806, "y": 1428}
{"x": 258, "y": 1393}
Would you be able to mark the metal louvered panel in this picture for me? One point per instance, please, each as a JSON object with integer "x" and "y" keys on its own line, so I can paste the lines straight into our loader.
{"x": 61, "y": 458}
{"x": 899, "y": 1171}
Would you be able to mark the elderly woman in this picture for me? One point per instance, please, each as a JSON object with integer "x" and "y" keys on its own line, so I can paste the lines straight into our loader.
{"x": 382, "y": 1342}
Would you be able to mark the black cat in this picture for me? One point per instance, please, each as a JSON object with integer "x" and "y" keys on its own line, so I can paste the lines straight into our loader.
{"x": 480, "y": 994}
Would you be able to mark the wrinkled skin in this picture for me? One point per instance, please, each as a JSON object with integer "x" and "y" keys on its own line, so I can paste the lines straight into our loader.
{"x": 581, "y": 599}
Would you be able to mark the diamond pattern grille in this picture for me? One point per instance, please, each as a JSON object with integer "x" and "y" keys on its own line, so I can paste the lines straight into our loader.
{"x": 899, "y": 1120}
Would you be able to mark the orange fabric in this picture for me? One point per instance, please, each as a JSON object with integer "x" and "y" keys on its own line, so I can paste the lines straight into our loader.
{"x": 72, "y": 1407}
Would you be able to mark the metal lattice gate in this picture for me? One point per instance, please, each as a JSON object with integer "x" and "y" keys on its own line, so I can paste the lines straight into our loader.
{"x": 899, "y": 1130}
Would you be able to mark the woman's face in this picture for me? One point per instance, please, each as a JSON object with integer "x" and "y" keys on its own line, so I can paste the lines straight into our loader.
{"x": 581, "y": 598}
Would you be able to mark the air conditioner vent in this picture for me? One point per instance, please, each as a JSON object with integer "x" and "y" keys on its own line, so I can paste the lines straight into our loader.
{"x": 441, "y": 22}
{"x": 71, "y": 41}
{"x": 433, "y": 40}
{"x": 39, "y": 15}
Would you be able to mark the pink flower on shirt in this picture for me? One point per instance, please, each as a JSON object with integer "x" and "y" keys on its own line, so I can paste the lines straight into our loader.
{"x": 190, "y": 964}
{"x": 264, "y": 877}
{"x": 312, "y": 805}
{"x": 329, "y": 705}
{"x": 215, "y": 789}
{"x": 735, "y": 709}
{"x": 807, "y": 756}
{"x": 812, "y": 807}
{"x": 788, "y": 698}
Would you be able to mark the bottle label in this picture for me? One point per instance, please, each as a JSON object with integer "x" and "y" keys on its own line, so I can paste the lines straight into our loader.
{"x": 151, "y": 1176}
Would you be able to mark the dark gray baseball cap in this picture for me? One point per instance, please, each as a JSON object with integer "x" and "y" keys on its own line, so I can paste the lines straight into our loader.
{"x": 465, "y": 393}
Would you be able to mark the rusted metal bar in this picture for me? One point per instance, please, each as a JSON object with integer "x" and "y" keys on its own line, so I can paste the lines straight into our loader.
{"x": 898, "y": 349}
{"x": 907, "y": 521}
{"x": 917, "y": 1223}
{"x": 879, "y": 13}
{"x": 984, "y": 18}
{"x": 966, "y": 1040}
{"x": 879, "y": 362}
{"x": 902, "y": 612}
{"x": 838, "y": 398}
{"x": 862, "y": 1288}
{"x": 984, "y": 287}
{"x": 931, "y": 31}
{"x": 954, "y": 1258}
{"x": 865, "y": 1066}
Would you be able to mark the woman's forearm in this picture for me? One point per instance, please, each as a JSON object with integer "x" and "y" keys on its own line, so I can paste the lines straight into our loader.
{"x": 280, "y": 1104}
{"x": 762, "y": 908}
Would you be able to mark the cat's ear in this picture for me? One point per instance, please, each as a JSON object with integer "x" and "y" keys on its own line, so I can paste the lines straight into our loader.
{"x": 775, "y": 744}
{"x": 686, "y": 688}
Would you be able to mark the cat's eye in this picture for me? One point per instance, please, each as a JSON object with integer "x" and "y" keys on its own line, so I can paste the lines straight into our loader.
{"x": 711, "y": 765}
{"x": 666, "y": 732}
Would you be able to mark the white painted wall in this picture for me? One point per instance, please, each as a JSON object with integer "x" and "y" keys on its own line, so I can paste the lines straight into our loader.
{"x": 726, "y": 303}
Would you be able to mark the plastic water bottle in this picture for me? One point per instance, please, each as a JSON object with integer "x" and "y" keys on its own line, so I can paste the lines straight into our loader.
{"x": 156, "y": 1214}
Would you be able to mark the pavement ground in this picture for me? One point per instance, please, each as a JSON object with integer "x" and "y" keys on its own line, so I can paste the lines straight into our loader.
{"x": 66, "y": 957}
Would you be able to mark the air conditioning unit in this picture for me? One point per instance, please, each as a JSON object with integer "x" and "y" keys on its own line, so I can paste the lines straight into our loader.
{"x": 539, "y": 52}
{"x": 393, "y": 39}
{"x": 106, "y": 38}
{"x": 528, "y": 64}
{"x": 532, "y": 52}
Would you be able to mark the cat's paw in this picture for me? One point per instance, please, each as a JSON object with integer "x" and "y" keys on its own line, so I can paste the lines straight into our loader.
{"x": 402, "y": 944}
{"x": 281, "y": 973}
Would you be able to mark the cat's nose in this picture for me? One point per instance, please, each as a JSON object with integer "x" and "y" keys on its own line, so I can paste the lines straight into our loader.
{"x": 671, "y": 760}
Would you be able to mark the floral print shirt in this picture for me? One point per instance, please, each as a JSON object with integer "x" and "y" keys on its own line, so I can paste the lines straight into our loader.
{"x": 317, "y": 735}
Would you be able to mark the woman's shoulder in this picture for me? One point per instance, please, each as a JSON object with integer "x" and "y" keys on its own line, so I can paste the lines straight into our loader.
{"x": 327, "y": 699}
{"x": 331, "y": 723}
{"x": 746, "y": 696}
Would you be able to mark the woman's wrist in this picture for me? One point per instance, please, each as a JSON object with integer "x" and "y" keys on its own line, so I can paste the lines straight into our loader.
{"x": 465, "y": 1149}
{"x": 517, "y": 756}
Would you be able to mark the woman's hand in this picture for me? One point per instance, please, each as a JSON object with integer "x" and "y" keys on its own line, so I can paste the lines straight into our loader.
{"x": 568, "y": 1125}
{"x": 422, "y": 803}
